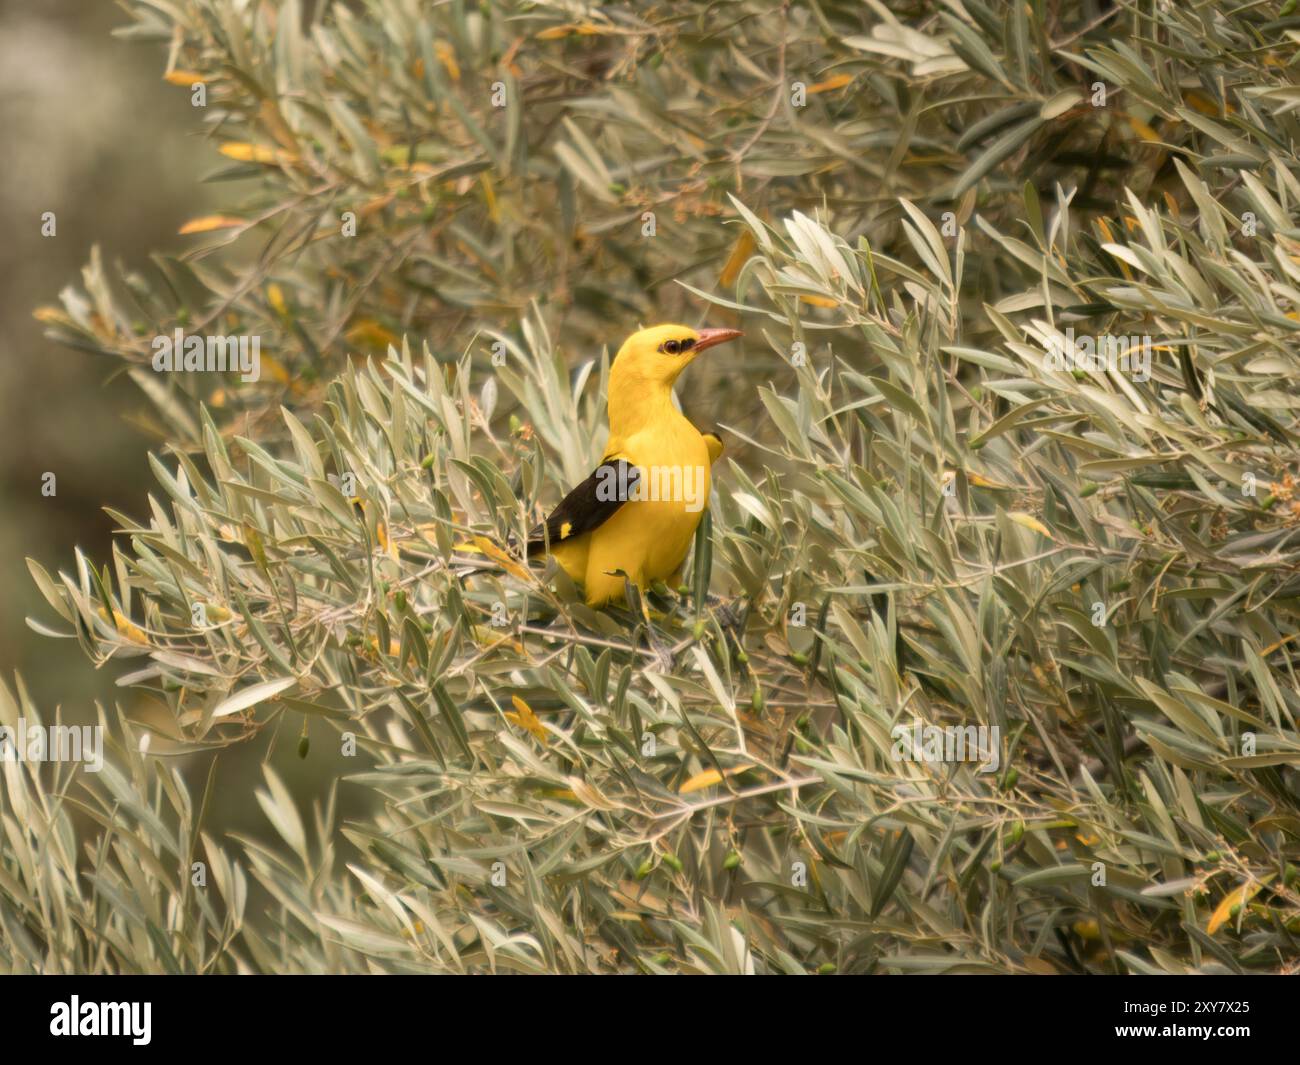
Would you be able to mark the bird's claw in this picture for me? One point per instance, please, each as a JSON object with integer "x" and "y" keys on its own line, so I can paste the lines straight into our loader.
{"x": 729, "y": 615}
{"x": 664, "y": 657}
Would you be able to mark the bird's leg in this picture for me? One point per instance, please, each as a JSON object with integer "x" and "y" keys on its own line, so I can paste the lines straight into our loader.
{"x": 667, "y": 601}
{"x": 730, "y": 615}
{"x": 636, "y": 602}
{"x": 733, "y": 619}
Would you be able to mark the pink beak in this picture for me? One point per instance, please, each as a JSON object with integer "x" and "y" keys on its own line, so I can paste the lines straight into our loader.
{"x": 709, "y": 337}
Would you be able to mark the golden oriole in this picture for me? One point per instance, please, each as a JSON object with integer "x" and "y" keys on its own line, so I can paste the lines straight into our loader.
{"x": 635, "y": 516}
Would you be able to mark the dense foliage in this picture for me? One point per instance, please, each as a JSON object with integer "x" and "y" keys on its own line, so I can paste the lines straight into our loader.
{"x": 920, "y": 517}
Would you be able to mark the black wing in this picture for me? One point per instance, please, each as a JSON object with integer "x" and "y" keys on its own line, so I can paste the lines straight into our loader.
{"x": 588, "y": 506}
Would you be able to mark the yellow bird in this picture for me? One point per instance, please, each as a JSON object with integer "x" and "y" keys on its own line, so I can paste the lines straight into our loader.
{"x": 635, "y": 516}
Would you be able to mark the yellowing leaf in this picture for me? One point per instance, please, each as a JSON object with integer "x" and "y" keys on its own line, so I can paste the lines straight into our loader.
{"x": 184, "y": 77}
{"x": 377, "y": 204}
{"x": 820, "y": 301}
{"x": 1110, "y": 239}
{"x": 740, "y": 253}
{"x": 368, "y": 333}
{"x": 838, "y": 81}
{"x": 447, "y": 57}
{"x": 1087, "y": 928}
{"x": 273, "y": 120}
{"x": 584, "y": 29}
{"x": 386, "y": 543}
{"x": 980, "y": 481}
{"x": 276, "y": 369}
{"x": 501, "y": 558}
{"x": 526, "y": 719}
{"x": 1232, "y": 902}
{"x": 709, "y": 777}
{"x": 1198, "y": 101}
{"x": 490, "y": 196}
{"x": 254, "y": 153}
{"x": 275, "y": 297}
{"x": 123, "y": 625}
{"x": 1143, "y": 130}
{"x": 208, "y": 222}
{"x": 1029, "y": 522}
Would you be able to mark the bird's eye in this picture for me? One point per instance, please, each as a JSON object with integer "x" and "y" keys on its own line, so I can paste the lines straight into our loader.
{"x": 673, "y": 347}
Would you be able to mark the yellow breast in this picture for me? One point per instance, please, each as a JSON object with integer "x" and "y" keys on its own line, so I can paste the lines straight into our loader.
{"x": 650, "y": 535}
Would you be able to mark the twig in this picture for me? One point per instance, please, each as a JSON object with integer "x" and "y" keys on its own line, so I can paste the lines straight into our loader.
{"x": 590, "y": 641}
{"x": 738, "y": 155}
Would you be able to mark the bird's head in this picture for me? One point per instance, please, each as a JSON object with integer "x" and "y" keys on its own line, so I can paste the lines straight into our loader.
{"x": 655, "y": 356}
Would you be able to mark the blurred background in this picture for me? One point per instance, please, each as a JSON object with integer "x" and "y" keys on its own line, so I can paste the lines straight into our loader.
{"x": 96, "y": 136}
{"x": 93, "y": 134}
